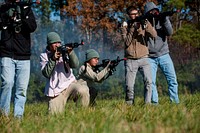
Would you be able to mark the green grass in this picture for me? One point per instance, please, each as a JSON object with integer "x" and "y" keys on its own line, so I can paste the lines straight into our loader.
{"x": 111, "y": 116}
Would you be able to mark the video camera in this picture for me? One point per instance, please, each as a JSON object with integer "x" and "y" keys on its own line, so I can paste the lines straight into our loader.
{"x": 62, "y": 48}
{"x": 10, "y": 13}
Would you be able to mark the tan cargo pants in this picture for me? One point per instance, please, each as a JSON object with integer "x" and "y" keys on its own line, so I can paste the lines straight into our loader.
{"x": 57, "y": 104}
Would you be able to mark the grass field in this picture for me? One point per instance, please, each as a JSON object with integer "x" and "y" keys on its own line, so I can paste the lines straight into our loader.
{"x": 111, "y": 116}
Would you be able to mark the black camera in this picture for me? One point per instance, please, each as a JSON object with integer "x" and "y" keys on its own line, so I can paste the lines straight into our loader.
{"x": 10, "y": 10}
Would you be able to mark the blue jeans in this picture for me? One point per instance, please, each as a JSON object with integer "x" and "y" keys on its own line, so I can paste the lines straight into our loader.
{"x": 131, "y": 68}
{"x": 14, "y": 73}
{"x": 166, "y": 65}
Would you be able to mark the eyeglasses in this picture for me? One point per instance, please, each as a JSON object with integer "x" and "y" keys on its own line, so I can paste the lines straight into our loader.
{"x": 133, "y": 13}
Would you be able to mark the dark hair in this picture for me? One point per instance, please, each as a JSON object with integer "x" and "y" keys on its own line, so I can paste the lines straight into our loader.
{"x": 131, "y": 8}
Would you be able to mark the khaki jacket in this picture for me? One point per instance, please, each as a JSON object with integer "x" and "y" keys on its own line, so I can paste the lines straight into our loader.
{"x": 135, "y": 39}
{"x": 86, "y": 73}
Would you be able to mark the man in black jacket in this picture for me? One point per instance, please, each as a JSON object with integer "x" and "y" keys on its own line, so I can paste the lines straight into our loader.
{"x": 16, "y": 25}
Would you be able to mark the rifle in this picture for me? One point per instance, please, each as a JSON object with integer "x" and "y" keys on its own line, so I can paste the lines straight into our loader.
{"x": 142, "y": 19}
{"x": 112, "y": 66}
{"x": 162, "y": 15}
{"x": 13, "y": 17}
{"x": 63, "y": 49}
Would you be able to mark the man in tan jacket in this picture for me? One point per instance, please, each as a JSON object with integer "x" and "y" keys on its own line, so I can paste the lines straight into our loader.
{"x": 134, "y": 34}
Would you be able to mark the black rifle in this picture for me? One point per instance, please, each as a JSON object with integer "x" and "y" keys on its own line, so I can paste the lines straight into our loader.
{"x": 140, "y": 20}
{"x": 162, "y": 15}
{"x": 63, "y": 49}
{"x": 112, "y": 66}
{"x": 7, "y": 20}
{"x": 148, "y": 16}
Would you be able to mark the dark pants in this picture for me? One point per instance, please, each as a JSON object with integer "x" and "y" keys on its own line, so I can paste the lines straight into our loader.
{"x": 93, "y": 94}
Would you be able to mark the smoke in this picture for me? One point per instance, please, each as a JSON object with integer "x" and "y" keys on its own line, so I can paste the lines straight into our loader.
{"x": 70, "y": 34}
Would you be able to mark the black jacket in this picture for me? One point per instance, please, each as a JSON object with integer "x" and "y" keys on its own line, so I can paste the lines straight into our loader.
{"x": 17, "y": 45}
